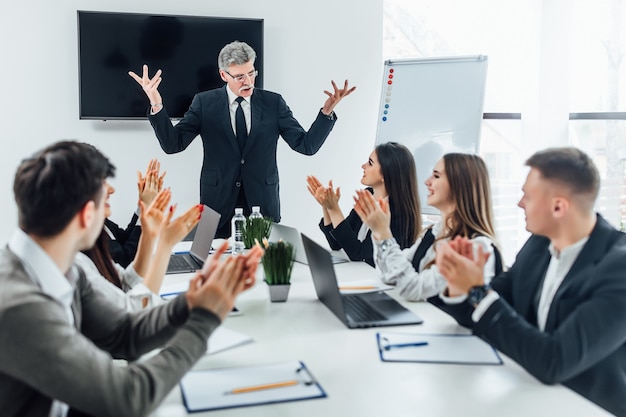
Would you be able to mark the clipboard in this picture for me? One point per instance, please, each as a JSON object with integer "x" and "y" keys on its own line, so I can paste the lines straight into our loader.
{"x": 460, "y": 349}
{"x": 216, "y": 389}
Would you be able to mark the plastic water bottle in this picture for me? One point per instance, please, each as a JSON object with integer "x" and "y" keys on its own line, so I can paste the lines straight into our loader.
{"x": 256, "y": 213}
{"x": 237, "y": 231}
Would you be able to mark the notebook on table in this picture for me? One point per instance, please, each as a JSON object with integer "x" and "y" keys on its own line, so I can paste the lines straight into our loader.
{"x": 194, "y": 259}
{"x": 292, "y": 235}
{"x": 359, "y": 310}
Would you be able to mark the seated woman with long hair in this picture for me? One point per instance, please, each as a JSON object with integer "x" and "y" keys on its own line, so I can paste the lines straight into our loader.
{"x": 389, "y": 174}
{"x": 137, "y": 286}
{"x": 459, "y": 189}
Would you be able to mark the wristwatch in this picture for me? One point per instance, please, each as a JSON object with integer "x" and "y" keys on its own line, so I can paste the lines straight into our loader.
{"x": 386, "y": 244}
{"x": 477, "y": 293}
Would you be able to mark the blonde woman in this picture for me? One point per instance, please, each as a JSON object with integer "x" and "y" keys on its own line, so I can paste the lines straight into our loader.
{"x": 459, "y": 189}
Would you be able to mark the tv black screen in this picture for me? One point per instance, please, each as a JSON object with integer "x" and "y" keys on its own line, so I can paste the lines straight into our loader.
{"x": 185, "y": 48}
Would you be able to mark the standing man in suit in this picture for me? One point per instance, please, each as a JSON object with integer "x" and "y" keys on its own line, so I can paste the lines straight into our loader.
{"x": 239, "y": 126}
{"x": 560, "y": 311}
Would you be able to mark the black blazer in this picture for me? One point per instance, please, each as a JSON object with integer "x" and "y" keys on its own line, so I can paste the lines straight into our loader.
{"x": 584, "y": 342}
{"x": 225, "y": 167}
{"x": 123, "y": 247}
{"x": 344, "y": 236}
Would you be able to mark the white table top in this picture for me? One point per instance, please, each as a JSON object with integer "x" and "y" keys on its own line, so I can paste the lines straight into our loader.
{"x": 347, "y": 364}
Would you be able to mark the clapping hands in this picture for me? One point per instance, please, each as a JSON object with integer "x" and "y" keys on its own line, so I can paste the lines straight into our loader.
{"x": 374, "y": 213}
{"x": 216, "y": 287}
{"x": 327, "y": 197}
{"x": 148, "y": 186}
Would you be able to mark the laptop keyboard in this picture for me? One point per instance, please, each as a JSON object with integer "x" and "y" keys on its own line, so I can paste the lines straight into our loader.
{"x": 179, "y": 262}
{"x": 359, "y": 310}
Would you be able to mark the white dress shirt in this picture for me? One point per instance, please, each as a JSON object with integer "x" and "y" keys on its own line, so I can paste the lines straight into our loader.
{"x": 245, "y": 105}
{"x": 47, "y": 276}
{"x": 395, "y": 266}
{"x": 560, "y": 264}
{"x": 133, "y": 296}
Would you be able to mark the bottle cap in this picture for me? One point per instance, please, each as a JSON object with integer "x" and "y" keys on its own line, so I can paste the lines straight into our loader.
{"x": 238, "y": 210}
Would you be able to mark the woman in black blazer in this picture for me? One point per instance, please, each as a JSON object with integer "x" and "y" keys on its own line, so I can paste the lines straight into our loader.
{"x": 389, "y": 173}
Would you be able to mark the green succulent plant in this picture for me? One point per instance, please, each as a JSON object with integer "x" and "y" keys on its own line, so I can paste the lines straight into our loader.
{"x": 278, "y": 262}
{"x": 256, "y": 229}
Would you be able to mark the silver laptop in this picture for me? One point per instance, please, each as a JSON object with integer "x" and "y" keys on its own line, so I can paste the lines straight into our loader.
{"x": 292, "y": 235}
{"x": 371, "y": 309}
{"x": 200, "y": 247}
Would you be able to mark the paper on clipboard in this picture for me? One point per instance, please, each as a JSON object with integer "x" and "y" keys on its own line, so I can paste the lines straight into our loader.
{"x": 224, "y": 338}
{"x": 215, "y": 389}
{"x": 436, "y": 348}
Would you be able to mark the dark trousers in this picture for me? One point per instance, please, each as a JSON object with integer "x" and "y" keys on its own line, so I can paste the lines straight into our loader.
{"x": 224, "y": 231}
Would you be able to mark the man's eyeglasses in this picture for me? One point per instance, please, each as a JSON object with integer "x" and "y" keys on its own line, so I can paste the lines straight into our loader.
{"x": 242, "y": 77}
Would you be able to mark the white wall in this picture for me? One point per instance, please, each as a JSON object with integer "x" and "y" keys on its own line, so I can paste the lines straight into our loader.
{"x": 306, "y": 45}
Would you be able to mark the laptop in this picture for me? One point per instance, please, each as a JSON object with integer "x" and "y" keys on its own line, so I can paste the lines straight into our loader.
{"x": 200, "y": 247}
{"x": 292, "y": 235}
{"x": 372, "y": 309}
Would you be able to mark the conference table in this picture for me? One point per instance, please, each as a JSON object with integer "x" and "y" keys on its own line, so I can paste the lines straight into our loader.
{"x": 347, "y": 364}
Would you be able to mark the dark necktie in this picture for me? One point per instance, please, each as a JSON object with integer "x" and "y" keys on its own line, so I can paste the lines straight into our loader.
{"x": 240, "y": 125}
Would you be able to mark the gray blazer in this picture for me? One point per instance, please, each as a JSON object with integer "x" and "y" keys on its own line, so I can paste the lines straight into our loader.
{"x": 224, "y": 167}
{"x": 43, "y": 357}
{"x": 584, "y": 342}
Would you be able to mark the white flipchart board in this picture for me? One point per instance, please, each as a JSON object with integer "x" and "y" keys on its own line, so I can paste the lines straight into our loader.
{"x": 432, "y": 106}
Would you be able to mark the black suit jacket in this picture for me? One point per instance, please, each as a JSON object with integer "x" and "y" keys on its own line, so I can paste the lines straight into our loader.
{"x": 225, "y": 167}
{"x": 584, "y": 342}
{"x": 344, "y": 236}
{"x": 123, "y": 246}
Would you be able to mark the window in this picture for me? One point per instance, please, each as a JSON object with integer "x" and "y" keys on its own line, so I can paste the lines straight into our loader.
{"x": 554, "y": 79}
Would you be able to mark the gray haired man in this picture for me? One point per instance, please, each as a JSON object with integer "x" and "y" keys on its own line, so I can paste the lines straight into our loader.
{"x": 239, "y": 126}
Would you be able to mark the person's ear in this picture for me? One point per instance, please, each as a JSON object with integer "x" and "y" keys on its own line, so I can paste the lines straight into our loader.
{"x": 87, "y": 214}
{"x": 223, "y": 76}
{"x": 559, "y": 207}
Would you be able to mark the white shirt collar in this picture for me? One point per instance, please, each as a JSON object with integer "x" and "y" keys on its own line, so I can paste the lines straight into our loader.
{"x": 438, "y": 228}
{"x": 570, "y": 252}
{"x": 44, "y": 272}
{"x": 232, "y": 96}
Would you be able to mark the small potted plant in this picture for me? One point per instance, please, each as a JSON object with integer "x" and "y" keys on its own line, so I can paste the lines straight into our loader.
{"x": 255, "y": 229}
{"x": 277, "y": 265}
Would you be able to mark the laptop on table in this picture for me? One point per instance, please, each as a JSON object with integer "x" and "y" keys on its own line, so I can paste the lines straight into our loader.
{"x": 292, "y": 235}
{"x": 200, "y": 247}
{"x": 370, "y": 309}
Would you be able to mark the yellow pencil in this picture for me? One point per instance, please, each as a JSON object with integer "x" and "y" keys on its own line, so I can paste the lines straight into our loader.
{"x": 357, "y": 287}
{"x": 261, "y": 387}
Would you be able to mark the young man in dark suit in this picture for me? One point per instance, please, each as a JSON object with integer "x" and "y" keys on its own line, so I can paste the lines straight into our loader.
{"x": 560, "y": 310}
{"x": 239, "y": 126}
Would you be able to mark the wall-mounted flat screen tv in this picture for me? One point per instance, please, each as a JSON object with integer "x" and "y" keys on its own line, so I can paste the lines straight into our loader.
{"x": 185, "y": 48}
